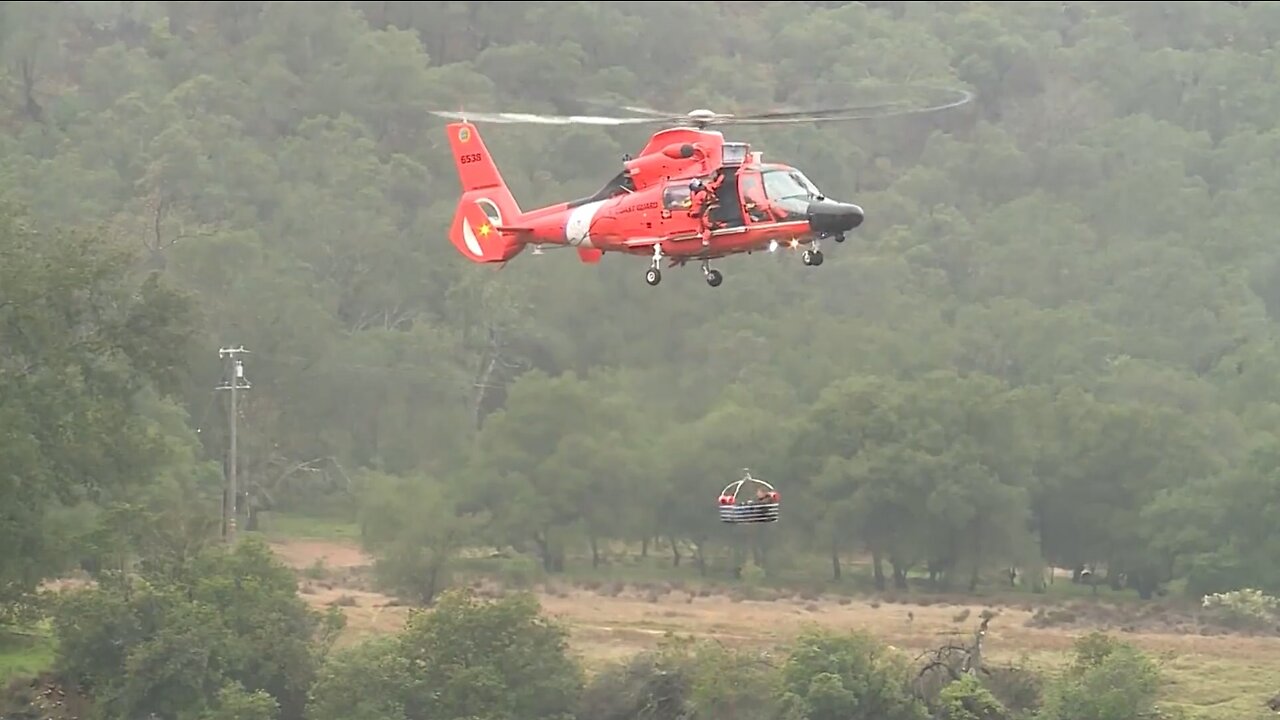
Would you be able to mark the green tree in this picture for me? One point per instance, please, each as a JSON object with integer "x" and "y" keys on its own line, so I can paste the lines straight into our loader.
{"x": 684, "y": 678}
{"x": 234, "y": 703}
{"x": 465, "y": 658}
{"x": 414, "y": 529}
{"x": 1107, "y": 680}
{"x": 967, "y": 699}
{"x": 83, "y": 352}
{"x": 847, "y": 676}
{"x": 230, "y": 632}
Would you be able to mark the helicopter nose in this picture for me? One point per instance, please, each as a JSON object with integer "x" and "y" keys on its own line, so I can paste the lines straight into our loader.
{"x": 833, "y": 218}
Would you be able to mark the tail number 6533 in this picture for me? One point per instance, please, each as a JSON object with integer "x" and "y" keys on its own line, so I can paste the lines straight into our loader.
{"x": 470, "y": 158}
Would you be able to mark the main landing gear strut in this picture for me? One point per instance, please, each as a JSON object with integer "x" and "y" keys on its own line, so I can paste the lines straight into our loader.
{"x": 714, "y": 278}
{"x": 811, "y": 257}
{"x": 653, "y": 275}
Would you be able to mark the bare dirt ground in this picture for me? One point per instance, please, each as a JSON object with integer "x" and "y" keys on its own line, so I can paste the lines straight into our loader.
{"x": 302, "y": 554}
{"x": 1214, "y": 675}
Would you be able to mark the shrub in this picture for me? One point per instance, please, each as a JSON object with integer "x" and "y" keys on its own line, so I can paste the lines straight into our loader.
{"x": 1243, "y": 609}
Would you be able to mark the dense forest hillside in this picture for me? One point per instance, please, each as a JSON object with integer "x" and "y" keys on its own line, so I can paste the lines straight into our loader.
{"x": 1054, "y": 340}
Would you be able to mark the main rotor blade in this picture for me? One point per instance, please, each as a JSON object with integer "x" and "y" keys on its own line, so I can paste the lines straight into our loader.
{"x": 818, "y": 112}
{"x": 862, "y": 112}
{"x": 697, "y": 119}
{"x": 530, "y": 118}
{"x": 613, "y": 104}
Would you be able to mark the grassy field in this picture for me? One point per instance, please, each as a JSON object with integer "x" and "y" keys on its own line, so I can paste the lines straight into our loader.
{"x": 618, "y": 610}
{"x": 24, "y": 652}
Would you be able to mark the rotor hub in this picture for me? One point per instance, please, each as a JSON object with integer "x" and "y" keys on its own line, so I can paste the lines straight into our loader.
{"x": 703, "y": 117}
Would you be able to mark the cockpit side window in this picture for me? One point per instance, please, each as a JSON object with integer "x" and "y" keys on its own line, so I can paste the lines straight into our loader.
{"x": 752, "y": 190}
{"x": 677, "y": 196}
{"x": 754, "y": 203}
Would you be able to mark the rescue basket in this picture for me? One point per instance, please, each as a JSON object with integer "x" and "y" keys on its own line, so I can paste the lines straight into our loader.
{"x": 739, "y": 503}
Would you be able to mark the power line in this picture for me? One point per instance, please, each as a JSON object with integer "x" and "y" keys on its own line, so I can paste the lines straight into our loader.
{"x": 234, "y": 381}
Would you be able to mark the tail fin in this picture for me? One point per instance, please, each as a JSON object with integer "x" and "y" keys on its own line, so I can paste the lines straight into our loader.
{"x": 482, "y": 226}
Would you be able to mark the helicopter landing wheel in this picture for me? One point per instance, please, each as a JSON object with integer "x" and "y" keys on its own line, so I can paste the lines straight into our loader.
{"x": 714, "y": 278}
{"x": 653, "y": 277}
{"x": 812, "y": 258}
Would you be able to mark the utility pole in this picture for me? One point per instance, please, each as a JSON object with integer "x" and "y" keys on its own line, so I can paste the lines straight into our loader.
{"x": 233, "y": 381}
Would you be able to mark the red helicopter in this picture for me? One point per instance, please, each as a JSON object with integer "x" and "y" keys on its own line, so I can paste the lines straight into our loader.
{"x": 688, "y": 195}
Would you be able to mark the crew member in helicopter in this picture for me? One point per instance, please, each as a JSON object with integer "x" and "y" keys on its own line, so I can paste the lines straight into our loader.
{"x": 703, "y": 197}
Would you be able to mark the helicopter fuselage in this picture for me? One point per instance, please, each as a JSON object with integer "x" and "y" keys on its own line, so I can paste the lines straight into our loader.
{"x": 653, "y": 208}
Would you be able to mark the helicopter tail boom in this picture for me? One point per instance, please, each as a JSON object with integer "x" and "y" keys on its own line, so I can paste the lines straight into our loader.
{"x": 482, "y": 227}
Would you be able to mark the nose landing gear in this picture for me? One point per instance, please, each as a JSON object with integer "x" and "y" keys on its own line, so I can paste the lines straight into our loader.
{"x": 812, "y": 256}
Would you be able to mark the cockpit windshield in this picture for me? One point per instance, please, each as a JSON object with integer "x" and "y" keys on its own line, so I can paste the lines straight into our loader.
{"x": 789, "y": 193}
{"x": 788, "y": 184}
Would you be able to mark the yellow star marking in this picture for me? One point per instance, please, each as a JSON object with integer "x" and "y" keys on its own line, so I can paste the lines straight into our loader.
{"x": 484, "y": 229}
